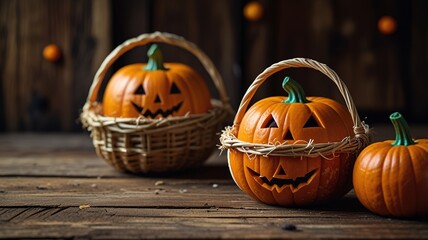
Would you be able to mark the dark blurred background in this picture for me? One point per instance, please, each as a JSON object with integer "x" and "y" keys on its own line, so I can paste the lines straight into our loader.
{"x": 384, "y": 72}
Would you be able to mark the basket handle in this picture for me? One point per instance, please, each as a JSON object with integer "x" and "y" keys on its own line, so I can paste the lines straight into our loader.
{"x": 359, "y": 128}
{"x": 158, "y": 37}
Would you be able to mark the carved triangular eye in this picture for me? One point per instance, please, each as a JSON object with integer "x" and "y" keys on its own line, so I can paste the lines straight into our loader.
{"x": 174, "y": 89}
{"x": 140, "y": 90}
{"x": 270, "y": 122}
{"x": 311, "y": 123}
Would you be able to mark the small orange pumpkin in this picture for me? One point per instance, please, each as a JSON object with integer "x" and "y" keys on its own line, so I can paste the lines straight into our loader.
{"x": 387, "y": 25}
{"x": 391, "y": 177}
{"x": 52, "y": 53}
{"x": 293, "y": 181}
{"x": 253, "y": 11}
{"x": 155, "y": 90}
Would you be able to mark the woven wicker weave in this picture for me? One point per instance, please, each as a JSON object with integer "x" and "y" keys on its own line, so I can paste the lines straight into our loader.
{"x": 155, "y": 145}
{"x": 350, "y": 144}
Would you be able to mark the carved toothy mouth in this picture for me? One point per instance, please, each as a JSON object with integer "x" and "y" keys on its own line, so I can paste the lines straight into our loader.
{"x": 281, "y": 183}
{"x": 161, "y": 112}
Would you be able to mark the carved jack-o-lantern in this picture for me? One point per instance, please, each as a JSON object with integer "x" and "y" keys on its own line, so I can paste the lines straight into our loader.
{"x": 299, "y": 180}
{"x": 155, "y": 90}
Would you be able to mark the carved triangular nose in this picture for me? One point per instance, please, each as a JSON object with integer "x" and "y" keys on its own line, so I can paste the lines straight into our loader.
{"x": 288, "y": 136}
{"x": 157, "y": 100}
{"x": 280, "y": 172}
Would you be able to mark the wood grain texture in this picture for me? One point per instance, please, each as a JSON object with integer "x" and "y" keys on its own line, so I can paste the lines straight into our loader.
{"x": 417, "y": 84}
{"x": 36, "y": 153}
{"x": 39, "y": 95}
{"x": 258, "y": 51}
{"x": 130, "y": 19}
{"x": 120, "y": 206}
{"x": 213, "y": 26}
{"x": 45, "y": 179}
{"x": 305, "y": 29}
{"x": 9, "y": 64}
{"x": 209, "y": 223}
{"x": 384, "y": 73}
{"x": 369, "y": 61}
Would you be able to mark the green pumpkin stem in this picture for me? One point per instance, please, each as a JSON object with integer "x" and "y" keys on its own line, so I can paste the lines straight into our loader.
{"x": 402, "y": 132}
{"x": 155, "y": 59}
{"x": 294, "y": 90}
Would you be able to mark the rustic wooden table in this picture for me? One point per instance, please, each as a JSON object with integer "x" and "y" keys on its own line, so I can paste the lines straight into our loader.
{"x": 54, "y": 186}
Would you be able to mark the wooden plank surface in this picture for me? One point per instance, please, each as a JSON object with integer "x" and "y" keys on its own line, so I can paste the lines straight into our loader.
{"x": 45, "y": 179}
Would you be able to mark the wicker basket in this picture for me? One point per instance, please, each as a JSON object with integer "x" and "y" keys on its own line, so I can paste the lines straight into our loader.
{"x": 350, "y": 144}
{"x": 143, "y": 145}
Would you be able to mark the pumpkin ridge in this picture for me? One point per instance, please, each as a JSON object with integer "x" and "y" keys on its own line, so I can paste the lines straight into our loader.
{"x": 398, "y": 187}
{"x": 384, "y": 152}
{"x": 319, "y": 192}
{"x": 275, "y": 138}
{"x": 185, "y": 87}
{"x": 315, "y": 111}
{"x": 404, "y": 161}
{"x": 269, "y": 109}
{"x": 253, "y": 129}
{"x": 316, "y": 188}
{"x": 391, "y": 159}
{"x": 340, "y": 168}
{"x": 248, "y": 175}
{"x": 411, "y": 163}
{"x": 384, "y": 187}
{"x": 236, "y": 167}
{"x": 200, "y": 88}
{"x": 114, "y": 81}
{"x": 366, "y": 191}
{"x": 423, "y": 146}
{"x": 281, "y": 119}
{"x": 140, "y": 77}
{"x": 329, "y": 103}
{"x": 130, "y": 79}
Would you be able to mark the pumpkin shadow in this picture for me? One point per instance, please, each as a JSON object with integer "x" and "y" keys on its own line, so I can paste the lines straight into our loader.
{"x": 349, "y": 204}
{"x": 204, "y": 172}
{"x": 215, "y": 167}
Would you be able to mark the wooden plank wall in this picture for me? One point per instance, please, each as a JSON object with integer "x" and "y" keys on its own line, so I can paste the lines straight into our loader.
{"x": 384, "y": 73}
{"x": 37, "y": 95}
{"x": 211, "y": 25}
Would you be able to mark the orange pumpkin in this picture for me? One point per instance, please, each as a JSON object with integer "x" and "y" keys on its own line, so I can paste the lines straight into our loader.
{"x": 52, "y": 53}
{"x": 253, "y": 11}
{"x": 293, "y": 181}
{"x": 155, "y": 90}
{"x": 387, "y": 25}
{"x": 391, "y": 177}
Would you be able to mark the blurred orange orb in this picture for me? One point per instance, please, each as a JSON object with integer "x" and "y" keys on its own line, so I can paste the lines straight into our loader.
{"x": 387, "y": 25}
{"x": 253, "y": 11}
{"x": 52, "y": 53}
